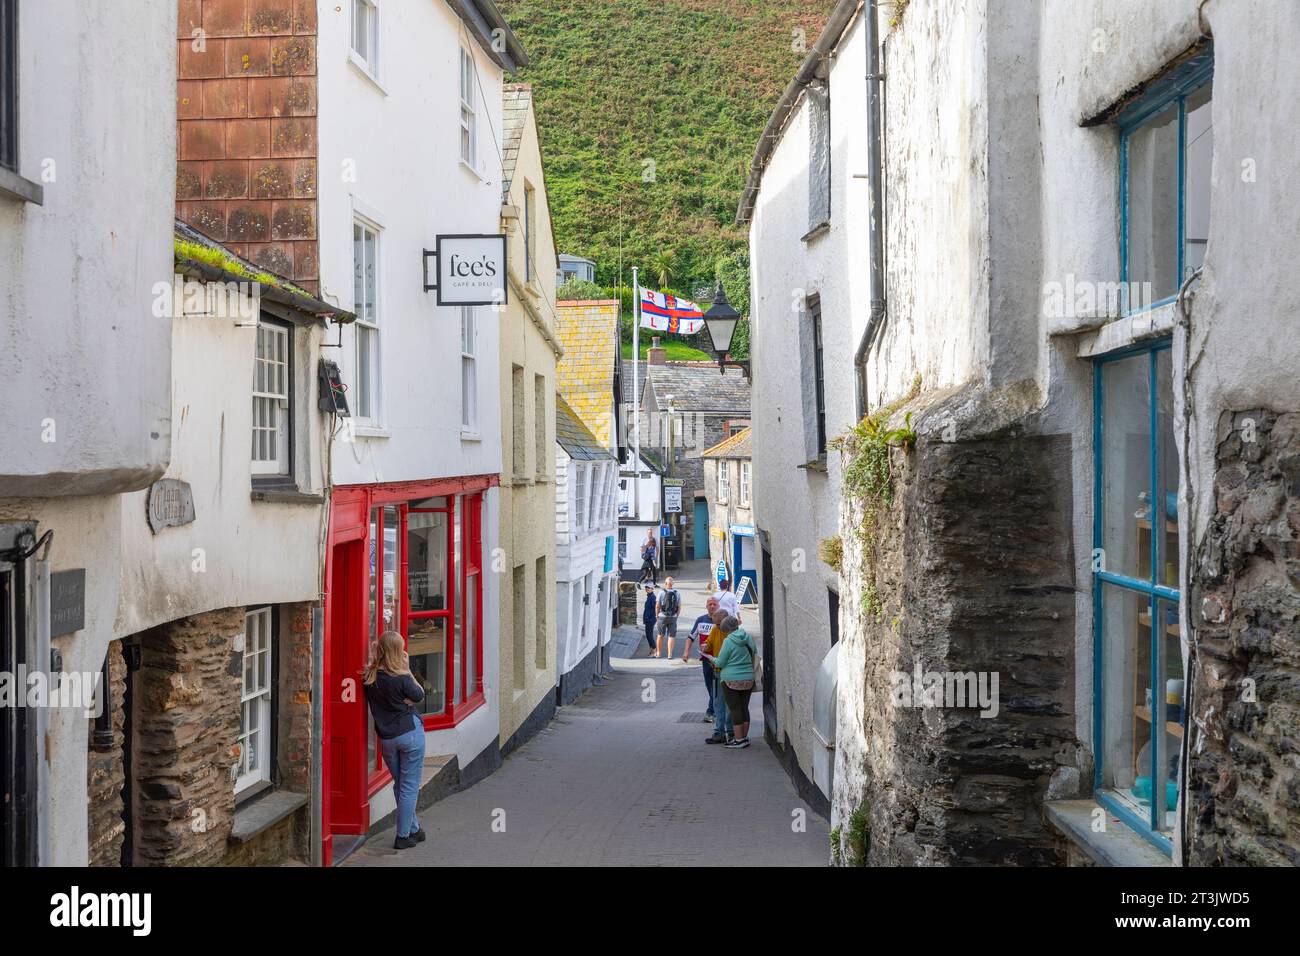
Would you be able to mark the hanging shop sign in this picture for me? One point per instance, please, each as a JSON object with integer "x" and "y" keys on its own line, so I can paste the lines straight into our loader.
{"x": 468, "y": 270}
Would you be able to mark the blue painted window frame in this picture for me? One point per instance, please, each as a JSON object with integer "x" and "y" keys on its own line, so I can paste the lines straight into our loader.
{"x": 1174, "y": 87}
{"x": 1152, "y": 589}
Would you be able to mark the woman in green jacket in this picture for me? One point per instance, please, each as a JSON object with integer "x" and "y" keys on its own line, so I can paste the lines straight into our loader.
{"x": 735, "y": 667}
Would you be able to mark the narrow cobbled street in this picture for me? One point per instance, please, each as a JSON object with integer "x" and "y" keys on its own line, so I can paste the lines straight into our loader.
{"x": 623, "y": 777}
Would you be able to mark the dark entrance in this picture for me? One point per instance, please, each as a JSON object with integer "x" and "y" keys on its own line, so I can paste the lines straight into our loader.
{"x": 769, "y": 649}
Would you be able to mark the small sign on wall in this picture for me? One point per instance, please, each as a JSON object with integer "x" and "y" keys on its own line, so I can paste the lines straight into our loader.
{"x": 672, "y": 499}
{"x": 470, "y": 270}
{"x": 170, "y": 503}
{"x": 67, "y": 601}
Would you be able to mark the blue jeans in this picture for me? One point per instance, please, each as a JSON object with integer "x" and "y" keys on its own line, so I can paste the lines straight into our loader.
{"x": 404, "y": 757}
{"x": 721, "y": 718}
{"x": 709, "y": 682}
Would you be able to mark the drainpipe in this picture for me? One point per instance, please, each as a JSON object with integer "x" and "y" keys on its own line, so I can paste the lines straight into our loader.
{"x": 875, "y": 231}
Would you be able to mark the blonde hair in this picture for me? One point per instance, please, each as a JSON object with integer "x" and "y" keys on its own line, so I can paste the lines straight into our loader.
{"x": 387, "y": 654}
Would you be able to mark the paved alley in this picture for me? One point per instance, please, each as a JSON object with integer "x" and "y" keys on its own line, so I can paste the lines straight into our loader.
{"x": 623, "y": 778}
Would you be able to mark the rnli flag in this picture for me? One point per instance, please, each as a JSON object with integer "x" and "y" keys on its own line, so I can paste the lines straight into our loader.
{"x": 667, "y": 313}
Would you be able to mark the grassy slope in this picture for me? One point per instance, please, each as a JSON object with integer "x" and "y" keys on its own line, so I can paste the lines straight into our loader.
{"x": 688, "y": 84}
{"x": 675, "y": 349}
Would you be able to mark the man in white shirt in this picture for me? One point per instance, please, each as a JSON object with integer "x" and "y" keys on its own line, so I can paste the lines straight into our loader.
{"x": 727, "y": 600}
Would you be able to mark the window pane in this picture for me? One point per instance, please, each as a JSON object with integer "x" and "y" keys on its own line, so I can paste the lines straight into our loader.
{"x": 1126, "y": 655}
{"x": 392, "y": 620}
{"x": 371, "y": 243}
{"x": 1168, "y": 712}
{"x": 426, "y": 557}
{"x": 364, "y": 364}
{"x": 1169, "y": 467}
{"x": 374, "y": 573}
{"x": 427, "y": 590}
{"x": 1153, "y": 205}
{"x": 358, "y": 270}
{"x": 360, "y": 33}
{"x": 1199, "y": 150}
{"x": 471, "y": 633}
{"x": 428, "y": 649}
{"x": 1126, "y": 467}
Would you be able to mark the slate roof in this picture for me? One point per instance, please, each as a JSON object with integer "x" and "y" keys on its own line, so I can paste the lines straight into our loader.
{"x": 574, "y": 437}
{"x": 739, "y": 445}
{"x": 199, "y": 256}
{"x": 628, "y": 364}
{"x": 698, "y": 387}
{"x": 515, "y": 98}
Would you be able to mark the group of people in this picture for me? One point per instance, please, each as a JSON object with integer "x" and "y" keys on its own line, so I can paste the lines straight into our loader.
{"x": 727, "y": 657}
{"x": 727, "y": 653}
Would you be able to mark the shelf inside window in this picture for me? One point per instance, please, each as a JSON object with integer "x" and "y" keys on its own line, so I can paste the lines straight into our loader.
{"x": 1144, "y": 714}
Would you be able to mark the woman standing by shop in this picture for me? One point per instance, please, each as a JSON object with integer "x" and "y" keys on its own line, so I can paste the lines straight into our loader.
{"x": 392, "y": 693}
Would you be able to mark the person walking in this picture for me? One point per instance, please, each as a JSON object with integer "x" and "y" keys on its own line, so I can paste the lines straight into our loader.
{"x": 735, "y": 667}
{"x": 726, "y": 599}
{"x": 649, "y": 558}
{"x": 670, "y": 605}
{"x": 648, "y": 617}
{"x": 700, "y": 632}
{"x": 392, "y": 693}
{"x": 709, "y": 648}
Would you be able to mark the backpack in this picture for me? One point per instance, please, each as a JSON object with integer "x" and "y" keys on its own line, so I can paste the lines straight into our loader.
{"x": 671, "y": 603}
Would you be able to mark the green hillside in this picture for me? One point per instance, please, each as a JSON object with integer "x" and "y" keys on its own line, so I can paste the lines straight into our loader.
{"x": 673, "y": 91}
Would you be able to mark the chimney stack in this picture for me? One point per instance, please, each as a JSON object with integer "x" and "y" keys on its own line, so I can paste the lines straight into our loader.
{"x": 656, "y": 354}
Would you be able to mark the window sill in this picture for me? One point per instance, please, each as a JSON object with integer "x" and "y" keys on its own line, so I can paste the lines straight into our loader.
{"x": 518, "y": 481}
{"x": 817, "y": 231}
{"x": 1117, "y": 845}
{"x": 24, "y": 190}
{"x": 285, "y": 495}
{"x": 1154, "y": 323}
{"x": 471, "y": 170}
{"x": 259, "y": 815}
{"x": 467, "y": 434}
{"x": 361, "y": 67}
{"x": 371, "y": 431}
{"x": 817, "y": 464}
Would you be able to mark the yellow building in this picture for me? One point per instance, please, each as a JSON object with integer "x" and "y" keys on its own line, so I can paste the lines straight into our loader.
{"x": 588, "y": 330}
{"x": 530, "y": 348}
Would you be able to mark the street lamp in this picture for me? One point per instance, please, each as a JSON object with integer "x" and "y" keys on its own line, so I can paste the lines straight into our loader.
{"x": 721, "y": 321}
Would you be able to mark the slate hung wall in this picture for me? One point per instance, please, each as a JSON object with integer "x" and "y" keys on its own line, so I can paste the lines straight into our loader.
{"x": 246, "y": 102}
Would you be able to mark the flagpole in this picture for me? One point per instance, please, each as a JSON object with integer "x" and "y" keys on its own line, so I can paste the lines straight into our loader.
{"x": 636, "y": 395}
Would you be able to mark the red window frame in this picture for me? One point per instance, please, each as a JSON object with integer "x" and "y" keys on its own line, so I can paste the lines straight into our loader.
{"x": 464, "y": 578}
{"x": 465, "y": 511}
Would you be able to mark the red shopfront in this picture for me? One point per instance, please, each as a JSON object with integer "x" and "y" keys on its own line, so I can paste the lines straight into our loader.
{"x": 405, "y": 557}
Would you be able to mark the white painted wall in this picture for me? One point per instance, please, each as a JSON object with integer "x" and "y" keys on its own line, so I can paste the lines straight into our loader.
{"x": 81, "y": 350}
{"x": 390, "y": 152}
{"x": 994, "y": 189}
{"x": 81, "y": 347}
{"x": 580, "y": 559}
{"x": 798, "y": 507}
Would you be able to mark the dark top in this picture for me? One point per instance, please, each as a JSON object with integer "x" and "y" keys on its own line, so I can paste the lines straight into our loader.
{"x": 387, "y": 698}
{"x": 649, "y": 550}
{"x": 649, "y": 613}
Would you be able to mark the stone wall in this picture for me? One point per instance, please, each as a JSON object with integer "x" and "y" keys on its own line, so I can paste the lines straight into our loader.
{"x": 1243, "y": 788}
{"x": 974, "y": 573}
{"x": 105, "y": 775}
{"x": 186, "y": 728}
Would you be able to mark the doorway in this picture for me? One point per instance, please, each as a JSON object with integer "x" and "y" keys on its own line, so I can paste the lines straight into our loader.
{"x": 701, "y": 541}
{"x": 345, "y": 800}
